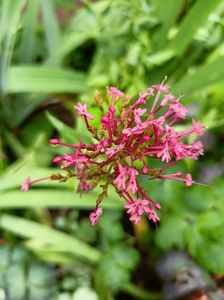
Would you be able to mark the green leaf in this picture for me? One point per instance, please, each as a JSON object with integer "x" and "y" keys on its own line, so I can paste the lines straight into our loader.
{"x": 160, "y": 57}
{"x": 15, "y": 281}
{"x": 84, "y": 27}
{"x": 54, "y": 257}
{"x": 10, "y": 14}
{"x": 28, "y": 38}
{"x": 210, "y": 255}
{"x": 84, "y": 293}
{"x": 202, "y": 78}
{"x": 68, "y": 133}
{"x": 54, "y": 198}
{"x": 45, "y": 80}
{"x": 197, "y": 15}
{"x": 40, "y": 281}
{"x": 210, "y": 221}
{"x": 172, "y": 232}
{"x": 60, "y": 197}
{"x": 30, "y": 229}
{"x": 167, "y": 14}
{"x": 51, "y": 25}
{"x": 17, "y": 173}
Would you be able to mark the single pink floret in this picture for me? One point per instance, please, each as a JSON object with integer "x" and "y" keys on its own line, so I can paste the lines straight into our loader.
{"x": 136, "y": 209}
{"x": 162, "y": 88}
{"x": 54, "y": 141}
{"x": 94, "y": 216}
{"x": 111, "y": 151}
{"x": 26, "y": 185}
{"x": 58, "y": 159}
{"x": 120, "y": 180}
{"x": 153, "y": 216}
{"x": 138, "y": 113}
{"x": 115, "y": 92}
{"x": 188, "y": 180}
{"x": 82, "y": 111}
{"x": 197, "y": 127}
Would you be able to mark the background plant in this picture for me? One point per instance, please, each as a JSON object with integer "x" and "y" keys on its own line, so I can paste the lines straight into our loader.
{"x": 48, "y": 62}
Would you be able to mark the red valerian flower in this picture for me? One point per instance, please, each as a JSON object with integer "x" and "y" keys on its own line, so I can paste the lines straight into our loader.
{"x": 26, "y": 185}
{"x": 127, "y": 136}
{"x": 82, "y": 111}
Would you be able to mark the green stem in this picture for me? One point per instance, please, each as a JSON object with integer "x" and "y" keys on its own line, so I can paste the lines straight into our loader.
{"x": 139, "y": 293}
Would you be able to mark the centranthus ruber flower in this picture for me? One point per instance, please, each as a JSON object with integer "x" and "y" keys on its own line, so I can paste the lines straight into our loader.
{"x": 130, "y": 132}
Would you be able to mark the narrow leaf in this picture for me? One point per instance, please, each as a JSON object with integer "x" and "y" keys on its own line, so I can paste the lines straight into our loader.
{"x": 45, "y": 80}
{"x": 201, "y": 78}
{"x": 167, "y": 13}
{"x": 27, "y": 45}
{"x": 51, "y": 25}
{"x": 30, "y": 229}
{"x": 195, "y": 18}
{"x": 55, "y": 198}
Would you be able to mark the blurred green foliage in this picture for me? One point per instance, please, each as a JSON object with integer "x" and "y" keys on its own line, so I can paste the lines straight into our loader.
{"x": 54, "y": 52}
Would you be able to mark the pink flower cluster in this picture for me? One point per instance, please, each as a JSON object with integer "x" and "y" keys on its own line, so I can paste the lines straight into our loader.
{"x": 130, "y": 134}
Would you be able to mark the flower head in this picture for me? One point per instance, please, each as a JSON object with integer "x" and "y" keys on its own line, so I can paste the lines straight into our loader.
{"x": 128, "y": 137}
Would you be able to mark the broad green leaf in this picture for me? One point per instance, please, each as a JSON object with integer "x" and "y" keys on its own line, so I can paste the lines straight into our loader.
{"x": 197, "y": 15}
{"x": 210, "y": 255}
{"x": 30, "y": 229}
{"x": 210, "y": 221}
{"x": 38, "y": 79}
{"x": 172, "y": 232}
{"x": 84, "y": 293}
{"x": 15, "y": 281}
